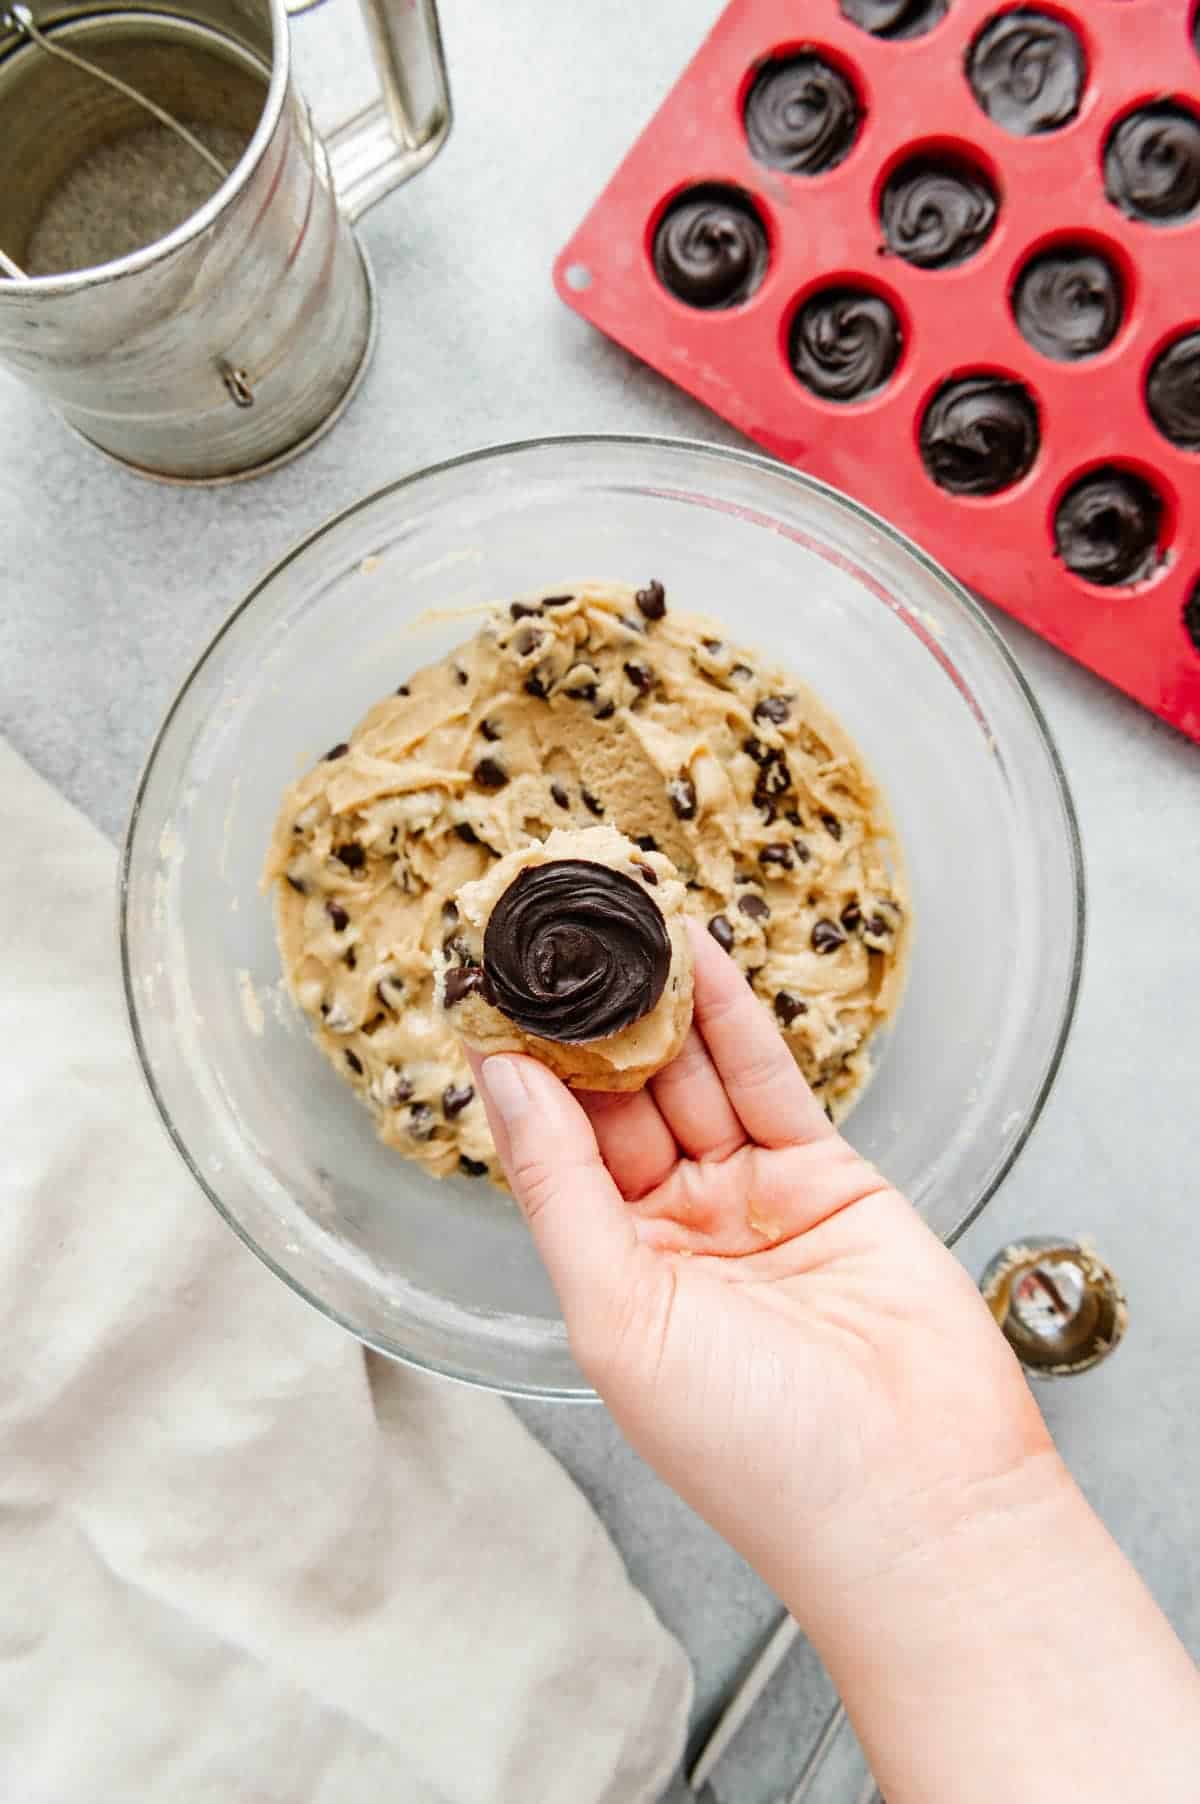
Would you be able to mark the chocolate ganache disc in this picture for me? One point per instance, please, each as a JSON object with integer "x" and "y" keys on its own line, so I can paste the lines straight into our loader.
{"x": 979, "y": 435}
{"x": 710, "y": 248}
{"x": 936, "y": 213}
{"x": 895, "y": 18}
{"x": 801, "y": 115}
{"x": 844, "y": 343}
{"x": 1173, "y": 392}
{"x": 1106, "y": 528}
{"x": 1068, "y": 303}
{"x": 1027, "y": 72}
{"x": 574, "y": 951}
{"x": 1152, "y": 163}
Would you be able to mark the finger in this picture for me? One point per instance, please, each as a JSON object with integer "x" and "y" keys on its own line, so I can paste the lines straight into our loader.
{"x": 635, "y": 1142}
{"x": 575, "y": 1212}
{"x": 761, "y": 1078}
{"x": 694, "y": 1105}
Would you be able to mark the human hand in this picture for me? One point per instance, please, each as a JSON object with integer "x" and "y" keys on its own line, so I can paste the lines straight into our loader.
{"x": 771, "y": 1324}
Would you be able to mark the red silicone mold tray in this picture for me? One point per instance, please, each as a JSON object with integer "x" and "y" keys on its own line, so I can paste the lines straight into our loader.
{"x": 824, "y": 231}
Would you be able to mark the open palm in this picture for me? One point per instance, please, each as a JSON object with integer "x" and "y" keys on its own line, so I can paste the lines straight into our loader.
{"x": 748, "y": 1295}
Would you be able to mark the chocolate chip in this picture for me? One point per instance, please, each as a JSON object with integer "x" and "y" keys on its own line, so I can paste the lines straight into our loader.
{"x": 351, "y": 855}
{"x": 647, "y": 842}
{"x": 354, "y": 1062}
{"x": 713, "y": 645}
{"x": 420, "y": 1121}
{"x": 535, "y": 686}
{"x": 754, "y": 905}
{"x": 652, "y": 600}
{"x": 467, "y": 833}
{"x": 741, "y": 671}
{"x": 527, "y": 640}
{"x": 404, "y": 689}
{"x": 300, "y": 888}
{"x": 794, "y": 817}
{"x": 585, "y": 693}
{"x": 520, "y": 610}
{"x": 774, "y": 708}
{"x": 454, "y": 946}
{"x": 774, "y": 780}
{"x": 560, "y": 795}
{"x": 336, "y": 751}
{"x": 722, "y": 932}
{"x": 395, "y": 1087}
{"x": 801, "y": 850}
{"x": 827, "y": 936}
{"x": 605, "y": 711}
{"x": 776, "y": 854}
{"x": 556, "y": 601}
{"x": 754, "y": 748}
{"x": 490, "y": 774}
{"x": 641, "y": 678}
{"x": 878, "y": 926}
{"x": 455, "y": 1098}
{"x": 648, "y": 876}
{"x": 590, "y": 803}
{"x": 476, "y": 1168}
{"x": 832, "y": 825}
{"x": 338, "y": 915}
{"x": 851, "y": 917}
{"x": 351, "y": 959}
{"x": 787, "y": 1007}
{"x": 681, "y": 792}
{"x": 449, "y": 913}
{"x": 490, "y": 731}
{"x": 461, "y": 675}
{"x": 375, "y": 1023}
{"x": 463, "y": 981}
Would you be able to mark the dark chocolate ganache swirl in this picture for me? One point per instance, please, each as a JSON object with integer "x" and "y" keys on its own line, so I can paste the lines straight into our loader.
{"x": 1173, "y": 392}
{"x": 895, "y": 18}
{"x": 937, "y": 213}
{"x": 574, "y": 951}
{"x": 1152, "y": 163}
{"x": 1027, "y": 72}
{"x": 979, "y": 435}
{"x": 844, "y": 343}
{"x": 1106, "y": 528}
{"x": 710, "y": 248}
{"x": 1068, "y": 303}
{"x": 801, "y": 115}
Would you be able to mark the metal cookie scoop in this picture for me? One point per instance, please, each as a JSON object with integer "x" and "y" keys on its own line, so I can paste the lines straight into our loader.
{"x": 1059, "y": 1306}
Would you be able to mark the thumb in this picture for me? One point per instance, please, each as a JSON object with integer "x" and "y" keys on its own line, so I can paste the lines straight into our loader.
{"x": 577, "y": 1216}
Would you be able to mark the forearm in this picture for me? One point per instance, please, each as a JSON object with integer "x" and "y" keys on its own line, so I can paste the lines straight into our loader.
{"x": 1015, "y": 1654}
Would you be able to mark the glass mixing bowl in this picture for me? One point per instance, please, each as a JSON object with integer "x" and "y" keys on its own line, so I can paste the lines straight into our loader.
{"x": 444, "y": 1274}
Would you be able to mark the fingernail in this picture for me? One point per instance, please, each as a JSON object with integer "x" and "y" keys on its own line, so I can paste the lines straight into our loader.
{"x": 502, "y": 1081}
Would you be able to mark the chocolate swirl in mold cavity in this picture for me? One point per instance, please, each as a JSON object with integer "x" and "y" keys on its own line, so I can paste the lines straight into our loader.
{"x": 1152, "y": 163}
{"x": 801, "y": 115}
{"x": 844, "y": 343}
{"x": 895, "y": 18}
{"x": 979, "y": 435}
{"x": 1027, "y": 70}
{"x": 1068, "y": 302}
{"x": 1173, "y": 391}
{"x": 1107, "y": 527}
{"x": 710, "y": 247}
{"x": 937, "y": 211}
{"x": 575, "y": 952}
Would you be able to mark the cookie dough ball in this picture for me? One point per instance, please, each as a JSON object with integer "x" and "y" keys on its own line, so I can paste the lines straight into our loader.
{"x": 576, "y": 952}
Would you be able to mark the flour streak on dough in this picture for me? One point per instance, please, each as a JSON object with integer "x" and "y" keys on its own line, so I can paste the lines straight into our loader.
{"x": 560, "y": 716}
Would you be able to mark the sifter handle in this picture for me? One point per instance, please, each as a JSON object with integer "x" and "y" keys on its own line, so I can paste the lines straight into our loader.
{"x": 392, "y": 138}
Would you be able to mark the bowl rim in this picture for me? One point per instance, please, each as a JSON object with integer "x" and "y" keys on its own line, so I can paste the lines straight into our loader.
{"x": 709, "y": 453}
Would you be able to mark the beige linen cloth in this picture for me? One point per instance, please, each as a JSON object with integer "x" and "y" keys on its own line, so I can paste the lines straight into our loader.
{"x": 241, "y": 1562}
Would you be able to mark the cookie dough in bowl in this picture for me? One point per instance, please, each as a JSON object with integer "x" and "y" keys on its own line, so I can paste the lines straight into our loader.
{"x": 577, "y": 952}
{"x": 594, "y": 704}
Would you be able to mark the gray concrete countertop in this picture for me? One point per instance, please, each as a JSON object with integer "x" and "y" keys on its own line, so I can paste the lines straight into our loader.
{"x": 110, "y": 586}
